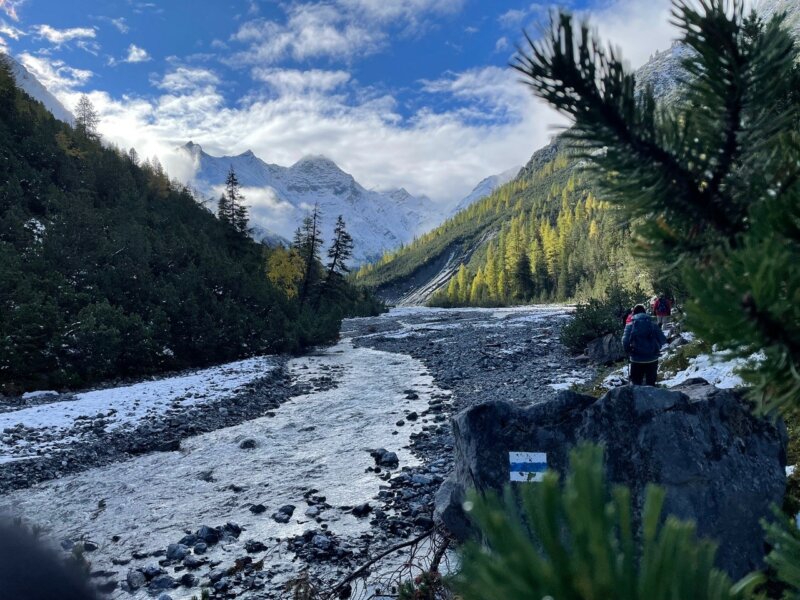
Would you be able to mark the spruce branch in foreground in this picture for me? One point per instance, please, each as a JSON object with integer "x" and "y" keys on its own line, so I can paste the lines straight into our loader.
{"x": 710, "y": 184}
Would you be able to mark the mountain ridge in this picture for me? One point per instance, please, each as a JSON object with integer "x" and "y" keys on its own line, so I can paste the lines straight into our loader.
{"x": 280, "y": 196}
{"x": 29, "y": 84}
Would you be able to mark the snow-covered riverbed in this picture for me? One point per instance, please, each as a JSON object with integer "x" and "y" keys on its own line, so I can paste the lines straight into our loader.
{"x": 375, "y": 389}
{"x": 48, "y": 427}
{"x": 319, "y": 440}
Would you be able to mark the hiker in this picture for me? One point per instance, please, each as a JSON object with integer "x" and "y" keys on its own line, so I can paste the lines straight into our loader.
{"x": 642, "y": 342}
{"x": 628, "y": 317}
{"x": 662, "y": 309}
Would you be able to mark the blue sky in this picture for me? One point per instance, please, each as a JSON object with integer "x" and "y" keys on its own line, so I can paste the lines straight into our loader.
{"x": 413, "y": 93}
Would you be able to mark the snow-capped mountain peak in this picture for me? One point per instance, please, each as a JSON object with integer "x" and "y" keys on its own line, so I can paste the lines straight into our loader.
{"x": 279, "y": 197}
{"x": 34, "y": 88}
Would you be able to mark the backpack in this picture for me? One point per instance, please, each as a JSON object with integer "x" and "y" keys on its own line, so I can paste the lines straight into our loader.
{"x": 643, "y": 340}
{"x": 662, "y": 308}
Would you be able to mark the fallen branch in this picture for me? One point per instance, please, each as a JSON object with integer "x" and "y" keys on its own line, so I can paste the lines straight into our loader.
{"x": 439, "y": 555}
{"x": 358, "y": 572}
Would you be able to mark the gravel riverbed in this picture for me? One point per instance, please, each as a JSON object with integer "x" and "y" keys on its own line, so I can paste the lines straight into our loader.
{"x": 296, "y": 477}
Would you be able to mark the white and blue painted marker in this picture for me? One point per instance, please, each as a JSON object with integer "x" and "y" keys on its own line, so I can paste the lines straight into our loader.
{"x": 527, "y": 466}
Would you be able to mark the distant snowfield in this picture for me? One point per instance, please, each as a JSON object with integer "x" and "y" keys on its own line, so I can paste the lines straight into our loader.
{"x": 54, "y": 423}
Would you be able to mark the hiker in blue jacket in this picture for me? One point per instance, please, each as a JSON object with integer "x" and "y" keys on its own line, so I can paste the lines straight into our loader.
{"x": 642, "y": 341}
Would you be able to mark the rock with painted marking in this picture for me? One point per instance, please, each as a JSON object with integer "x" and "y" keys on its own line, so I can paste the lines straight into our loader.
{"x": 720, "y": 465}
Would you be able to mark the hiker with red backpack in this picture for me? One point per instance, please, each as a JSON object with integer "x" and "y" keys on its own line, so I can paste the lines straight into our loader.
{"x": 642, "y": 341}
{"x": 662, "y": 309}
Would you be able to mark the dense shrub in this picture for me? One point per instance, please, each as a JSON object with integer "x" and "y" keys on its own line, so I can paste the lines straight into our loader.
{"x": 598, "y": 317}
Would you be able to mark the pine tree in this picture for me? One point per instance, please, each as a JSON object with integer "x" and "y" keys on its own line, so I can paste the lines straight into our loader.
{"x": 308, "y": 242}
{"x": 231, "y": 207}
{"x": 340, "y": 251}
{"x": 224, "y": 209}
{"x": 522, "y": 281}
{"x": 711, "y": 184}
{"x": 86, "y": 117}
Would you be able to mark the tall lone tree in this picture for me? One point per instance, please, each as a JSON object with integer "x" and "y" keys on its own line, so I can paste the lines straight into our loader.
{"x": 308, "y": 242}
{"x": 340, "y": 252}
{"x": 230, "y": 207}
{"x": 86, "y": 117}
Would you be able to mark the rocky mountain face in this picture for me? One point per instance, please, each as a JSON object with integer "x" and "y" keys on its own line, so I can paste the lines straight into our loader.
{"x": 279, "y": 197}
{"x": 34, "y": 88}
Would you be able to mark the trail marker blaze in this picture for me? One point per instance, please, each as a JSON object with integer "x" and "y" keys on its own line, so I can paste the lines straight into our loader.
{"x": 527, "y": 466}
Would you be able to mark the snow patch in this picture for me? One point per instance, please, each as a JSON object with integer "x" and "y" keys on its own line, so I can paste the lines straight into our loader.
{"x": 50, "y": 425}
{"x": 718, "y": 369}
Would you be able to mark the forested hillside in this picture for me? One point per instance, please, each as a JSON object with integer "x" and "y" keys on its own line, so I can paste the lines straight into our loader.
{"x": 109, "y": 269}
{"x": 542, "y": 237}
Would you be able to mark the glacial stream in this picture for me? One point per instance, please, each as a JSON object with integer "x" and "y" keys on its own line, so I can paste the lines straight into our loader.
{"x": 315, "y": 445}
{"x": 319, "y": 440}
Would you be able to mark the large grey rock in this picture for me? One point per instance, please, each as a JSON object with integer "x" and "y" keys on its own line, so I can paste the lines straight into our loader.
{"x": 605, "y": 350}
{"x": 720, "y": 465}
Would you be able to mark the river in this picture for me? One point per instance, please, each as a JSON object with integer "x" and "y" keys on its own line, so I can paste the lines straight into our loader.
{"x": 391, "y": 383}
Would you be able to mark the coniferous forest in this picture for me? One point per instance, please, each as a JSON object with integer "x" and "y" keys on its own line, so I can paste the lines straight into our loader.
{"x": 109, "y": 269}
{"x": 543, "y": 237}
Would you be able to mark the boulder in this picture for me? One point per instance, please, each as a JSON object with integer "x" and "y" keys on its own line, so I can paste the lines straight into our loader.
{"x": 177, "y": 551}
{"x": 361, "y": 510}
{"x": 283, "y": 514}
{"x": 384, "y": 458}
{"x": 135, "y": 579}
{"x": 162, "y": 582}
{"x": 248, "y": 444}
{"x": 720, "y": 465}
{"x": 605, "y": 350}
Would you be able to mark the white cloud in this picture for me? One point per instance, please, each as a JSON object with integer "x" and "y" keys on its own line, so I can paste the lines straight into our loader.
{"x": 294, "y": 81}
{"x": 492, "y": 121}
{"x": 10, "y": 8}
{"x": 187, "y": 79}
{"x": 411, "y": 11}
{"x": 62, "y": 36}
{"x": 120, "y": 24}
{"x": 440, "y": 154}
{"x": 339, "y": 30}
{"x": 10, "y": 31}
{"x": 502, "y": 44}
{"x": 55, "y": 75}
{"x": 89, "y": 46}
{"x": 637, "y": 28}
{"x": 136, "y": 54}
{"x": 512, "y": 18}
{"x": 311, "y": 31}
